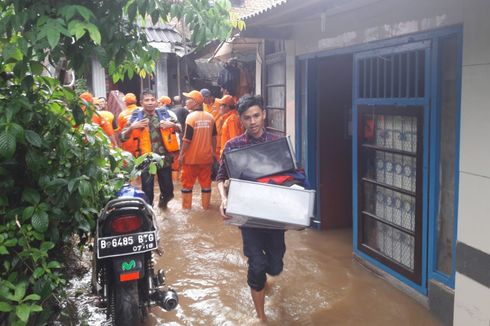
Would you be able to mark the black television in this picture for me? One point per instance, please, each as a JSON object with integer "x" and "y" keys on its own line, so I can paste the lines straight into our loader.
{"x": 260, "y": 160}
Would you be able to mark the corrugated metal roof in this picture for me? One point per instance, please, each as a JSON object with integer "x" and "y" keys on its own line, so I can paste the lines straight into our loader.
{"x": 162, "y": 33}
{"x": 164, "y": 37}
{"x": 253, "y": 8}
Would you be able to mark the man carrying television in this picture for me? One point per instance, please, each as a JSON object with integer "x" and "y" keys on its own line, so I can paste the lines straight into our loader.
{"x": 264, "y": 248}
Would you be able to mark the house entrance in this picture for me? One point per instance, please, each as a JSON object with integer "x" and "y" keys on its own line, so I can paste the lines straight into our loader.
{"x": 378, "y": 134}
{"x": 334, "y": 104}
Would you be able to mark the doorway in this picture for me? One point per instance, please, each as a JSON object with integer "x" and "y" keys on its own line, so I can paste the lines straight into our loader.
{"x": 334, "y": 107}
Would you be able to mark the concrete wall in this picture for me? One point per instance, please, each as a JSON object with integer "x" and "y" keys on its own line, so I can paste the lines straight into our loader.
{"x": 392, "y": 18}
{"x": 472, "y": 297}
{"x": 381, "y": 20}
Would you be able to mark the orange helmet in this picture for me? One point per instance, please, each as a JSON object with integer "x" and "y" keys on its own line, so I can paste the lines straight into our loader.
{"x": 164, "y": 100}
{"x": 87, "y": 96}
{"x": 129, "y": 98}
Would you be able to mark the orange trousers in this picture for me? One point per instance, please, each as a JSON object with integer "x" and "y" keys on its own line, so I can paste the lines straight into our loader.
{"x": 191, "y": 172}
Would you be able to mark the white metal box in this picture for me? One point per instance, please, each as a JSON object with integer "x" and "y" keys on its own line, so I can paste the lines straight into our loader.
{"x": 255, "y": 204}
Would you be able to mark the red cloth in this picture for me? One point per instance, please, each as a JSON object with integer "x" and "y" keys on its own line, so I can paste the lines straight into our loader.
{"x": 276, "y": 179}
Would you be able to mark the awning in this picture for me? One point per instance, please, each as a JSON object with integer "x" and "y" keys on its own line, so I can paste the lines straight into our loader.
{"x": 240, "y": 48}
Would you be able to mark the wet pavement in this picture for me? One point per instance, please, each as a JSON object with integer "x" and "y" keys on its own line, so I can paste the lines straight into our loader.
{"x": 321, "y": 283}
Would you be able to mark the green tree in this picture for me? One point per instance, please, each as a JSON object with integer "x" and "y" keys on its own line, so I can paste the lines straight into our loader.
{"x": 56, "y": 169}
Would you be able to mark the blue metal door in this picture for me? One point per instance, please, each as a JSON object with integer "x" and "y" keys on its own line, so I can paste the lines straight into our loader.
{"x": 391, "y": 98}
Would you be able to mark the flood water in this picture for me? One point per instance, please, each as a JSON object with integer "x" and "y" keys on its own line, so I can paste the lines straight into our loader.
{"x": 322, "y": 284}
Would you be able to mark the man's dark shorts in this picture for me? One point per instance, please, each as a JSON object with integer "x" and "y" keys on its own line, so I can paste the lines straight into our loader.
{"x": 265, "y": 250}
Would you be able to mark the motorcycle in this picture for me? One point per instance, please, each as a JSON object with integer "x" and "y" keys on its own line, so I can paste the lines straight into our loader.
{"x": 126, "y": 240}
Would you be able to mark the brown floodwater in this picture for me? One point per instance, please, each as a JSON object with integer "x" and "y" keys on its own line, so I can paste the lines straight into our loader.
{"x": 322, "y": 284}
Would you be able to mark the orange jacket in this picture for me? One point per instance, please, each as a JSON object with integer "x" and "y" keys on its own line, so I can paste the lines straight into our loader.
{"x": 213, "y": 109}
{"x": 232, "y": 127}
{"x": 103, "y": 123}
{"x": 122, "y": 120}
{"x": 141, "y": 137}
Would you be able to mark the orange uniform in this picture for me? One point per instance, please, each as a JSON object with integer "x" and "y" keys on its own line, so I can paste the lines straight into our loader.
{"x": 97, "y": 118}
{"x": 142, "y": 138}
{"x": 232, "y": 127}
{"x": 213, "y": 109}
{"x": 107, "y": 115}
{"x": 122, "y": 121}
{"x": 198, "y": 158}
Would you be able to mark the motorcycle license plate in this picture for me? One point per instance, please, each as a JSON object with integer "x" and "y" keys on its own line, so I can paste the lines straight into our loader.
{"x": 126, "y": 244}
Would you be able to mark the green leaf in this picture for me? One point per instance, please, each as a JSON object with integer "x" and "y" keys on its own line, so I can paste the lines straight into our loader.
{"x": 72, "y": 184}
{"x": 23, "y": 311}
{"x": 132, "y": 11}
{"x": 94, "y": 33}
{"x": 84, "y": 12}
{"x": 54, "y": 264}
{"x": 10, "y": 242}
{"x": 12, "y": 51}
{"x": 84, "y": 188}
{"x": 33, "y": 138}
{"x": 76, "y": 28}
{"x": 17, "y": 130}
{"x": 38, "y": 272}
{"x": 152, "y": 169}
{"x": 5, "y": 307}
{"x": 84, "y": 225}
{"x": 31, "y": 196}
{"x": 7, "y": 144}
{"x": 47, "y": 245}
{"x": 3, "y": 250}
{"x": 53, "y": 37}
{"x": 20, "y": 291}
{"x": 36, "y": 308}
{"x": 67, "y": 12}
{"x": 78, "y": 114}
{"x": 40, "y": 221}
{"x": 33, "y": 296}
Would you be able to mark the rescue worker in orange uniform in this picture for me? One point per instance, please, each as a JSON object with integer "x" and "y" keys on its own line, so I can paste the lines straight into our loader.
{"x": 231, "y": 124}
{"x": 164, "y": 101}
{"x": 130, "y": 101}
{"x": 98, "y": 118}
{"x": 211, "y": 105}
{"x": 198, "y": 147}
{"x": 151, "y": 127}
{"x": 101, "y": 106}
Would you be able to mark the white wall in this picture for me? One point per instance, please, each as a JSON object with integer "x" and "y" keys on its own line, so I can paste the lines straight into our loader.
{"x": 381, "y": 20}
{"x": 162, "y": 76}
{"x": 98, "y": 79}
{"x": 472, "y": 300}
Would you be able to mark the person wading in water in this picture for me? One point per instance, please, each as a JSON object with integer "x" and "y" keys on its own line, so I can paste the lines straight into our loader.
{"x": 264, "y": 248}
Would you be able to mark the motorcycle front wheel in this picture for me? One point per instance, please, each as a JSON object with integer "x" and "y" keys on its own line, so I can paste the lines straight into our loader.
{"x": 127, "y": 310}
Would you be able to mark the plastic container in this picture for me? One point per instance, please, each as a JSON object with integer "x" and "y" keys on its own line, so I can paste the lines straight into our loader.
{"x": 260, "y": 160}
{"x": 254, "y": 204}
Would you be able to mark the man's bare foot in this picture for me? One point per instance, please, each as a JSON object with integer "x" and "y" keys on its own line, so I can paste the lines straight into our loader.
{"x": 259, "y": 322}
{"x": 270, "y": 284}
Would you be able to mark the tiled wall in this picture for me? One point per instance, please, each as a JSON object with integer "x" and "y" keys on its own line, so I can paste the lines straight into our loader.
{"x": 472, "y": 298}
